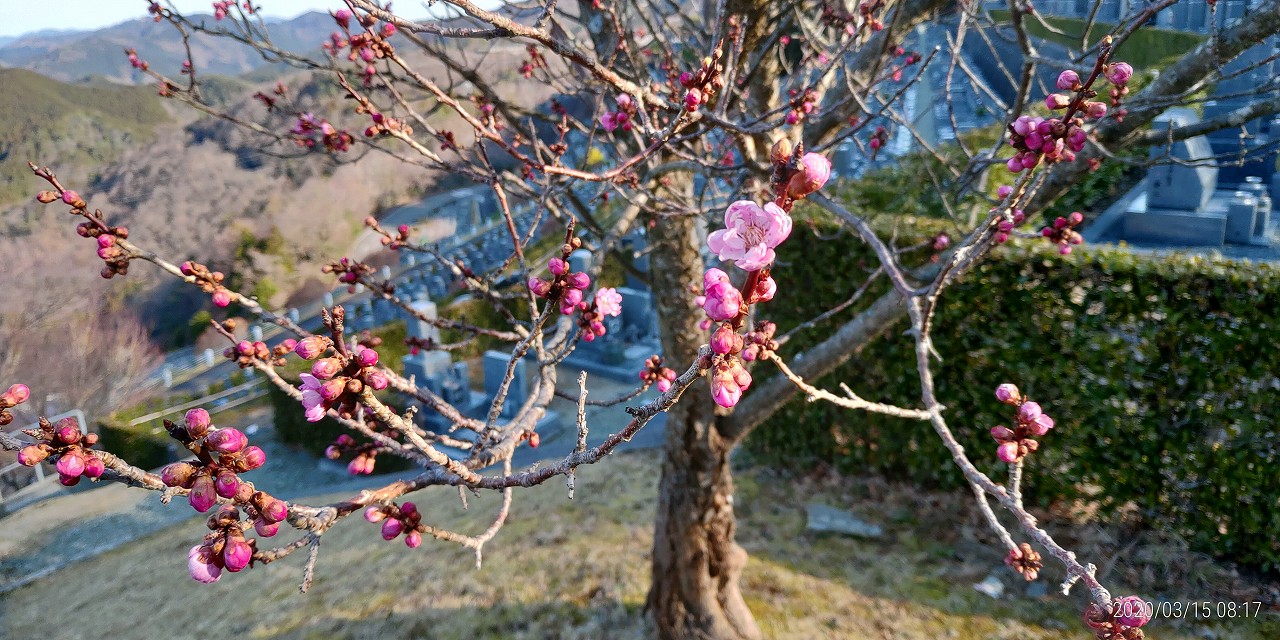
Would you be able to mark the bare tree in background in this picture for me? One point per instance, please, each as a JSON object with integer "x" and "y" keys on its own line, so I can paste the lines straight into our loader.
{"x": 679, "y": 122}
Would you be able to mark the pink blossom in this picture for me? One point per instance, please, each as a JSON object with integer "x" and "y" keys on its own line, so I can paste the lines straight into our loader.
{"x": 609, "y": 302}
{"x": 71, "y": 464}
{"x": 1055, "y": 101}
{"x": 221, "y": 298}
{"x": 391, "y": 528}
{"x": 413, "y": 539}
{"x": 1007, "y": 452}
{"x": 227, "y": 440}
{"x": 1041, "y": 425}
{"x": 376, "y": 379}
{"x": 310, "y": 348}
{"x": 1119, "y": 73}
{"x": 557, "y": 266}
{"x": 539, "y": 287}
{"x": 203, "y": 494}
{"x": 609, "y": 120}
{"x": 814, "y": 171}
{"x": 724, "y": 390}
{"x": 1068, "y": 80}
{"x": 342, "y": 17}
{"x": 1029, "y": 411}
{"x": 326, "y": 368}
{"x": 766, "y": 289}
{"x": 751, "y": 232}
{"x": 1007, "y": 393}
{"x": 723, "y": 301}
{"x": 312, "y": 403}
{"x": 624, "y": 101}
{"x": 17, "y": 394}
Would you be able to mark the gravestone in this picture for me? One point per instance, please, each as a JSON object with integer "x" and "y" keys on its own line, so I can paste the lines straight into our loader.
{"x": 1241, "y": 214}
{"x": 580, "y": 260}
{"x": 495, "y": 370}
{"x": 1254, "y": 186}
{"x": 425, "y": 366}
{"x": 328, "y": 300}
{"x": 1177, "y": 186}
{"x": 638, "y": 314}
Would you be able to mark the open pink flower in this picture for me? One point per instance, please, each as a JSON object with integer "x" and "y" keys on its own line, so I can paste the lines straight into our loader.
{"x": 609, "y": 302}
{"x": 751, "y": 232}
{"x": 311, "y": 400}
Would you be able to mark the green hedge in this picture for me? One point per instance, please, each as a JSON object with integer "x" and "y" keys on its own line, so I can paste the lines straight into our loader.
{"x": 1160, "y": 372}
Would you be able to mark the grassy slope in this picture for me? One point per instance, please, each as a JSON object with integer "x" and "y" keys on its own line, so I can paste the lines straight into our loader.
{"x": 577, "y": 569}
{"x": 45, "y": 120}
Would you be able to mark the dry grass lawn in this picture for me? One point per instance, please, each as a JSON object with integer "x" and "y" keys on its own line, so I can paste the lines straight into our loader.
{"x": 578, "y": 569}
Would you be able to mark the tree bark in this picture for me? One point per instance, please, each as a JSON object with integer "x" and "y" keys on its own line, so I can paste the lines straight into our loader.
{"x": 696, "y": 563}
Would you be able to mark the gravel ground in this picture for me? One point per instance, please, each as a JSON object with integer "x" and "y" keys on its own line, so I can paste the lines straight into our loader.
{"x": 41, "y": 538}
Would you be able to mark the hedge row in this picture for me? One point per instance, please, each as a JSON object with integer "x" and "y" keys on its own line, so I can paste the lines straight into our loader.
{"x": 1162, "y": 373}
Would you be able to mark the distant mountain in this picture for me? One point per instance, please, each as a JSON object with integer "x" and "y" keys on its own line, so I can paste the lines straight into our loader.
{"x": 78, "y": 55}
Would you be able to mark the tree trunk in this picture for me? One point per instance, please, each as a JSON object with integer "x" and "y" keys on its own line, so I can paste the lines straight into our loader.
{"x": 696, "y": 563}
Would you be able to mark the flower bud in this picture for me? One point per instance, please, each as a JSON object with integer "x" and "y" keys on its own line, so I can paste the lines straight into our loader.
{"x": 780, "y": 152}
{"x": 236, "y": 555}
{"x": 332, "y": 389}
{"x": 201, "y": 566}
{"x": 722, "y": 339}
{"x": 68, "y": 434}
{"x": 1095, "y": 109}
{"x": 413, "y": 539}
{"x": 539, "y": 287}
{"x": 45, "y": 197}
{"x": 1008, "y": 393}
{"x": 32, "y": 455}
{"x": 391, "y": 528}
{"x": 178, "y": 474}
{"x": 408, "y": 508}
{"x": 1007, "y": 452}
{"x": 226, "y": 484}
{"x": 311, "y": 347}
{"x": 72, "y": 198}
{"x": 227, "y": 440}
{"x": 203, "y": 493}
{"x": 377, "y": 380}
{"x": 558, "y": 266}
{"x": 578, "y": 280}
{"x": 1001, "y": 433}
{"x": 1132, "y": 611}
{"x": 814, "y": 171}
{"x": 1068, "y": 80}
{"x": 275, "y": 510}
{"x": 1041, "y": 425}
{"x": 94, "y": 467}
{"x": 197, "y": 421}
{"x": 367, "y": 357}
{"x": 1119, "y": 73}
{"x": 374, "y": 514}
{"x": 1056, "y": 101}
{"x": 252, "y": 458}
{"x": 326, "y": 368}
{"x": 1004, "y": 191}
{"x": 221, "y": 298}
{"x": 17, "y": 394}
{"x": 692, "y": 99}
{"x": 71, "y": 463}
{"x": 266, "y": 529}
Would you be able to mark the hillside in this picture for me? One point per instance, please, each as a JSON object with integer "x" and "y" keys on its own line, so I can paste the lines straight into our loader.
{"x": 68, "y": 125}
{"x": 77, "y": 56}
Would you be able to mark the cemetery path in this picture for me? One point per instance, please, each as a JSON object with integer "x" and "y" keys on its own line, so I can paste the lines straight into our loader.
{"x": 42, "y": 538}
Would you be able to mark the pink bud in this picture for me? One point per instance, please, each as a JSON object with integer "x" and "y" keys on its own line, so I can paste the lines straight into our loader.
{"x": 252, "y": 458}
{"x": 1095, "y": 109}
{"x": 814, "y": 171}
{"x": 1014, "y": 164}
{"x": 367, "y": 357}
{"x": 539, "y": 287}
{"x": 71, "y": 464}
{"x": 1119, "y": 73}
{"x": 203, "y": 493}
{"x": 388, "y": 30}
{"x": 1007, "y": 393}
{"x": 408, "y": 509}
{"x": 266, "y": 529}
{"x": 1001, "y": 433}
{"x": 1007, "y": 452}
{"x": 374, "y": 514}
{"x": 722, "y": 339}
{"x": 1004, "y": 191}
{"x": 236, "y": 555}
{"x": 227, "y": 440}
{"x": 1028, "y": 411}
{"x": 1075, "y": 218}
{"x": 226, "y": 484}
{"x": 1041, "y": 425}
{"x": 377, "y": 380}
{"x": 221, "y": 298}
{"x": 686, "y": 79}
{"x": 275, "y": 511}
{"x": 570, "y": 299}
{"x": 558, "y": 266}
{"x": 1132, "y": 611}
{"x": 201, "y": 566}
{"x": 692, "y": 99}
{"x": 32, "y": 455}
{"x": 178, "y": 474}
{"x": 68, "y": 434}
{"x": 94, "y": 467}
{"x": 332, "y": 389}
{"x": 578, "y": 280}
{"x": 1055, "y": 101}
{"x": 197, "y": 421}
{"x": 391, "y": 528}
{"x": 326, "y": 368}
{"x": 413, "y": 539}
{"x": 70, "y": 197}
{"x": 1068, "y": 80}
{"x": 664, "y": 385}
{"x": 310, "y": 348}
{"x": 18, "y": 393}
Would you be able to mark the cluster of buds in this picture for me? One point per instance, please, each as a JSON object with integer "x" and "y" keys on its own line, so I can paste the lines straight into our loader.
{"x": 1025, "y": 561}
{"x": 221, "y": 454}
{"x": 224, "y": 548}
{"x": 134, "y": 60}
{"x": 350, "y": 271}
{"x": 156, "y": 11}
{"x": 15, "y": 395}
{"x": 221, "y": 9}
{"x": 834, "y": 15}
{"x": 209, "y": 282}
{"x": 564, "y": 286}
{"x": 1120, "y": 621}
{"x": 620, "y": 118}
{"x": 390, "y": 241}
{"x": 699, "y": 86}
{"x": 879, "y": 138}
{"x": 656, "y": 374}
{"x": 364, "y": 48}
{"x": 64, "y": 440}
{"x": 1063, "y": 232}
{"x": 338, "y": 380}
{"x": 1007, "y": 225}
{"x": 1016, "y": 443}
{"x": 310, "y": 131}
{"x": 487, "y": 111}
{"x": 365, "y": 459}
{"x": 720, "y": 299}
{"x": 385, "y": 125}
{"x": 396, "y": 520}
{"x": 245, "y": 352}
{"x": 108, "y": 238}
{"x": 1059, "y": 139}
{"x": 535, "y": 61}
{"x": 607, "y": 302}
{"x": 802, "y": 104}
{"x": 728, "y": 379}
{"x": 759, "y": 343}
